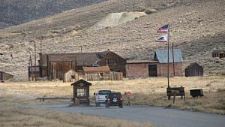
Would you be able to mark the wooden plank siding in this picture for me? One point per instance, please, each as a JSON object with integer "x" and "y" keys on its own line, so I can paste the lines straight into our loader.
{"x": 115, "y": 62}
{"x": 54, "y": 66}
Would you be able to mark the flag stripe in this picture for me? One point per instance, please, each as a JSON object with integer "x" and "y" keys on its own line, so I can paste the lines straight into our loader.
{"x": 164, "y": 29}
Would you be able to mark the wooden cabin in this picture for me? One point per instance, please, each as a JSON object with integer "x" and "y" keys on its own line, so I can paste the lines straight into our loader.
{"x": 194, "y": 69}
{"x": 81, "y": 92}
{"x": 54, "y": 66}
{"x": 156, "y": 67}
{"x": 5, "y": 76}
{"x": 218, "y": 53}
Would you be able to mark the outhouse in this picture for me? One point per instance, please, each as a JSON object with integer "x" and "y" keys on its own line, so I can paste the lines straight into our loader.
{"x": 81, "y": 92}
{"x": 194, "y": 69}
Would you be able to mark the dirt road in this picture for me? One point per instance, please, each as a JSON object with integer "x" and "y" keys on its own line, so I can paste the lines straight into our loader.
{"x": 160, "y": 117}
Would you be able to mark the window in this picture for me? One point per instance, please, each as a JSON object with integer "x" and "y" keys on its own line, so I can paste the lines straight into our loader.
{"x": 81, "y": 92}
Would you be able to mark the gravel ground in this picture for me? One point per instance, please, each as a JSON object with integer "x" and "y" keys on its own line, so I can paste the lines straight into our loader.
{"x": 160, "y": 117}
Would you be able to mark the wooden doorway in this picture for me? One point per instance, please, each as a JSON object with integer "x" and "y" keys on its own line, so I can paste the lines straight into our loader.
{"x": 58, "y": 69}
{"x": 152, "y": 69}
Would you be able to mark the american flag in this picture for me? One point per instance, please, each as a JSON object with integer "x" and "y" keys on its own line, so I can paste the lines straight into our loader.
{"x": 163, "y": 38}
{"x": 164, "y": 29}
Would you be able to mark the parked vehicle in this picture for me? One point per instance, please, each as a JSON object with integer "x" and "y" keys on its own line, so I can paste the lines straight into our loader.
{"x": 101, "y": 96}
{"x": 114, "y": 99}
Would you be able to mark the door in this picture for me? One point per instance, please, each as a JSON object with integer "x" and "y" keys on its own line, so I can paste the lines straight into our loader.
{"x": 152, "y": 69}
{"x": 58, "y": 69}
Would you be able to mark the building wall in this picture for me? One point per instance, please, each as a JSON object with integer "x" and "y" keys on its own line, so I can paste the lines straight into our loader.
{"x": 5, "y": 76}
{"x": 194, "y": 70}
{"x": 54, "y": 66}
{"x": 115, "y": 62}
{"x": 139, "y": 70}
{"x": 162, "y": 69}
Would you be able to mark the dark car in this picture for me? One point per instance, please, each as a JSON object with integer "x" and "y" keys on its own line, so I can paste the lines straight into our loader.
{"x": 114, "y": 99}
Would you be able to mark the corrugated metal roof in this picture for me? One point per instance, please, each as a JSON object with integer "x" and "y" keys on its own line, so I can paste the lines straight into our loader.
{"x": 161, "y": 55}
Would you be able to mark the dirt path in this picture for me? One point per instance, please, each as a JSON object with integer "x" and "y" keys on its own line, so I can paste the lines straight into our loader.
{"x": 160, "y": 117}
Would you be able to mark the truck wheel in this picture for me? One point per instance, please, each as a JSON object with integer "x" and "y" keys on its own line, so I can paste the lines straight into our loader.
{"x": 121, "y": 105}
{"x": 97, "y": 104}
{"x": 107, "y": 105}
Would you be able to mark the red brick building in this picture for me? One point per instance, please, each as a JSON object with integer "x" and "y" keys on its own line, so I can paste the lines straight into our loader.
{"x": 156, "y": 67}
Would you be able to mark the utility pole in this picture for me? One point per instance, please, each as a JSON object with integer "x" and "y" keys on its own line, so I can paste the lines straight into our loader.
{"x": 35, "y": 52}
{"x": 133, "y": 5}
{"x": 174, "y": 73}
{"x": 81, "y": 49}
{"x": 168, "y": 64}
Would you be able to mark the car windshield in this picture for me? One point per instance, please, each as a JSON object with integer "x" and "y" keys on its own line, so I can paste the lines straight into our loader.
{"x": 104, "y": 92}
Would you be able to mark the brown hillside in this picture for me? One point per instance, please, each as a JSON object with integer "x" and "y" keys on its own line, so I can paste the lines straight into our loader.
{"x": 198, "y": 27}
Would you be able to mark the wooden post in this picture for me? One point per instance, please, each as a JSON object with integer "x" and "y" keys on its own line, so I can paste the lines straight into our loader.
{"x": 174, "y": 97}
{"x": 168, "y": 66}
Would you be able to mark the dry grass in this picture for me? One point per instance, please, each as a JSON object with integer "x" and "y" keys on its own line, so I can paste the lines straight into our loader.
{"x": 151, "y": 91}
{"x": 211, "y": 102}
{"x": 144, "y": 86}
{"x": 12, "y": 114}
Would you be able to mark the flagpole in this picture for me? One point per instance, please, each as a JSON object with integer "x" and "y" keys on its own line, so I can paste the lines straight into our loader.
{"x": 168, "y": 66}
{"x": 173, "y": 59}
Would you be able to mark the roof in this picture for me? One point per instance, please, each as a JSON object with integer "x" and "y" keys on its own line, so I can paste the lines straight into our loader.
{"x": 82, "y": 59}
{"x": 218, "y": 51}
{"x": 81, "y": 81}
{"x": 96, "y": 69}
{"x": 161, "y": 55}
{"x": 194, "y": 64}
{"x": 86, "y": 59}
{"x": 140, "y": 61}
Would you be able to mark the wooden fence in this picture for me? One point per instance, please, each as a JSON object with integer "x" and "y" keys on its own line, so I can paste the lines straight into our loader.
{"x": 104, "y": 76}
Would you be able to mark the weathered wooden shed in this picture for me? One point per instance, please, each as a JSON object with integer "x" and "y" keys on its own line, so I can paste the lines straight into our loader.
{"x": 71, "y": 76}
{"x": 81, "y": 92}
{"x": 194, "y": 69}
{"x": 218, "y": 53}
{"x": 5, "y": 76}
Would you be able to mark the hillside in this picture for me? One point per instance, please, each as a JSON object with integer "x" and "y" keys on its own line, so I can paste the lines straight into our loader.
{"x": 198, "y": 27}
{"x": 14, "y": 12}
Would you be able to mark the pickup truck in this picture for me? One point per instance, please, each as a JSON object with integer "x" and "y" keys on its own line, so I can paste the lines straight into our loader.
{"x": 101, "y": 96}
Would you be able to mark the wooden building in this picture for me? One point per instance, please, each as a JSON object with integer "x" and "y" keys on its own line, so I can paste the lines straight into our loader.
{"x": 156, "y": 67}
{"x": 194, "y": 69}
{"x": 33, "y": 73}
{"x": 5, "y": 76}
{"x": 81, "y": 92}
{"x": 54, "y": 66}
{"x": 218, "y": 53}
